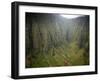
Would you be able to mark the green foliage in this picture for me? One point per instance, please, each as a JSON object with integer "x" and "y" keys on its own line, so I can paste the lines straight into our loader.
{"x": 76, "y": 54}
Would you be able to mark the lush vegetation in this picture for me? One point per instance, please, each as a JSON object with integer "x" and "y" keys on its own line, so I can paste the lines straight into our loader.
{"x": 52, "y": 40}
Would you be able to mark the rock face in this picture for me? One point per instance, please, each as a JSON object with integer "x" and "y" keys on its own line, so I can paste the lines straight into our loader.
{"x": 52, "y": 36}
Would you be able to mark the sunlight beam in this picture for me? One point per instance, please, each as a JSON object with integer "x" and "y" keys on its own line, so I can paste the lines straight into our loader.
{"x": 71, "y": 16}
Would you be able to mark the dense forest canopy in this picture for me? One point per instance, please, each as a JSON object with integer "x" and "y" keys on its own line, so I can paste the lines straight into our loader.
{"x": 53, "y": 40}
